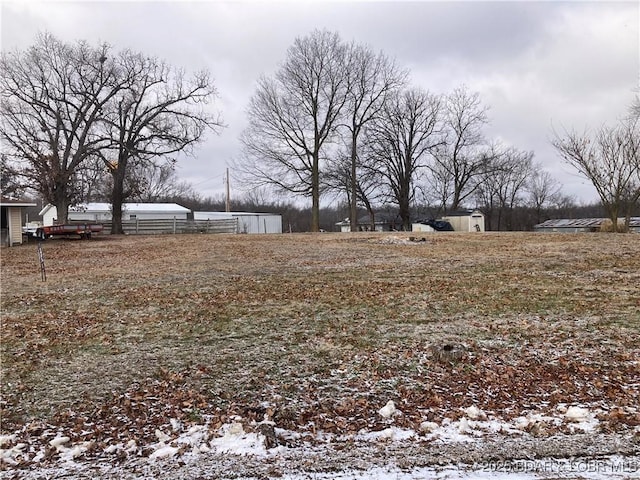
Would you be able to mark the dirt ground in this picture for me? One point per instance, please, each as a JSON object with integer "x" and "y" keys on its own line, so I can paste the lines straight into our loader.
{"x": 317, "y": 332}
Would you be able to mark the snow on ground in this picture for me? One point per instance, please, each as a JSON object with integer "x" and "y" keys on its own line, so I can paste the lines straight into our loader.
{"x": 605, "y": 468}
{"x": 178, "y": 446}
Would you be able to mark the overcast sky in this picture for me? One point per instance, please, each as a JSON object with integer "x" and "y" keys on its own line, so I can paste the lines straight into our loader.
{"x": 537, "y": 65}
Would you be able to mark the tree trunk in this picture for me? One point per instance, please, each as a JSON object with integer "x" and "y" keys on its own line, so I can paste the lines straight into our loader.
{"x": 372, "y": 213}
{"x": 403, "y": 207}
{"x": 612, "y": 210}
{"x": 315, "y": 194}
{"x": 61, "y": 202}
{"x": 117, "y": 199}
{"x": 455, "y": 204}
{"x": 353, "y": 213}
{"x": 372, "y": 219}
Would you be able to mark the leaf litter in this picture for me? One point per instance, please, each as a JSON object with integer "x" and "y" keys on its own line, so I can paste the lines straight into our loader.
{"x": 257, "y": 356}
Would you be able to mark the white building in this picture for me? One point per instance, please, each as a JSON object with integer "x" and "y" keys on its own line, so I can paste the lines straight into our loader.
{"x": 101, "y": 212}
{"x": 248, "y": 222}
{"x": 11, "y": 225}
{"x": 466, "y": 220}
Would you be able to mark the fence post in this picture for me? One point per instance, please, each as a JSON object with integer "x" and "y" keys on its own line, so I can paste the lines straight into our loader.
{"x": 43, "y": 270}
{"x": 136, "y": 224}
{"x": 174, "y": 225}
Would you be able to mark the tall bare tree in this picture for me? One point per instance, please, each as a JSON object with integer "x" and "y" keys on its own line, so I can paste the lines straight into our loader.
{"x": 634, "y": 109}
{"x": 293, "y": 118}
{"x": 610, "y": 160}
{"x": 503, "y": 187}
{"x": 339, "y": 177}
{"x": 401, "y": 141}
{"x": 161, "y": 113}
{"x": 543, "y": 189}
{"x": 10, "y": 184}
{"x": 464, "y": 157}
{"x": 372, "y": 79}
{"x": 52, "y": 96}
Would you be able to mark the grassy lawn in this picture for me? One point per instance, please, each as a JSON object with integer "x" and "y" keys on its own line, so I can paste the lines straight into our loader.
{"x": 317, "y": 331}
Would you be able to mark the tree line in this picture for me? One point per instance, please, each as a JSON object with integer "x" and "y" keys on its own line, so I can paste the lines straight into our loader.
{"x": 337, "y": 119}
{"x": 78, "y": 118}
{"x": 341, "y": 118}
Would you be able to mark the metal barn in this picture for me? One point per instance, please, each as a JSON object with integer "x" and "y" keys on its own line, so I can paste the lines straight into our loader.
{"x": 579, "y": 225}
{"x": 101, "y": 212}
{"x": 248, "y": 222}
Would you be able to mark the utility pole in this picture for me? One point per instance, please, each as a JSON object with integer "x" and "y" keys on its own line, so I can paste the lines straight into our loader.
{"x": 227, "y": 202}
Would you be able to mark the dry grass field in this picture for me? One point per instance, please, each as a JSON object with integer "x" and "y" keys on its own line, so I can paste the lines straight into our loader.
{"x": 317, "y": 333}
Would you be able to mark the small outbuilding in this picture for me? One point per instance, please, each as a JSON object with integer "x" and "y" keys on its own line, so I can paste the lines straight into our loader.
{"x": 11, "y": 223}
{"x": 101, "y": 212}
{"x": 466, "y": 220}
{"x": 248, "y": 222}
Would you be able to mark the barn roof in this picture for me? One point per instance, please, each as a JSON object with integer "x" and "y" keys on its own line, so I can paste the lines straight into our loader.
{"x": 103, "y": 207}
{"x": 463, "y": 213}
{"x": 582, "y": 222}
{"x": 14, "y": 202}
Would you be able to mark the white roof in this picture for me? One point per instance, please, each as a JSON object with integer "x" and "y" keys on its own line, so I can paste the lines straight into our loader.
{"x": 231, "y": 214}
{"x": 102, "y": 207}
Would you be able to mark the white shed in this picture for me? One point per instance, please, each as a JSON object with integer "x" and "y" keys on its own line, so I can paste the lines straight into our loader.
{"x": 101, "y": 212}
{"x": 11, "y": 224}
{"x": 248, "y": 222}
{"x": 466, "y": 220}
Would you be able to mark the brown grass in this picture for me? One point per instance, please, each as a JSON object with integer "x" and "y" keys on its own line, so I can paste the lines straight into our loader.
{"x": 317, "y": 331}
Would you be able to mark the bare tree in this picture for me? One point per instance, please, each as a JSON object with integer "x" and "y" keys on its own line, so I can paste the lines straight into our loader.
{"x": 371, "y": 80}
{"x": 293, "y": 118}
{"x": 464, "y": 157}
{"x": 52, "y": 95}
{"x": 502, "y": 188}
{"x": 438, "y": 188}
{"x": 401, "y": 140}
{"x": 610, "y": 159}
{"x": 339, "y": 177}
{"x": 161, "y": 113}
{"x": 10, "y": 184}
{"x": 634, "y": 110}
{"x": 160, "y": 182}
{"x": 544, "y": 191}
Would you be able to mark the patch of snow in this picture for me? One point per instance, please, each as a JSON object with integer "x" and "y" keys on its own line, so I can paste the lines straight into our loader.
{"x": 176, "y": 425}
{"x": 389, "y": 410}
{"x": 577, "y": 414}
{"x": 234, "y": 440}
{"x": 68, "y": 454}
{"x": 428, "y": 427}
{"x": 163, "y": 451}
{"x": 58, "y": 442}
{"x": 196, "y": 436}
{"x": 391, "y": 433}
{"x": 7, "y": 439}
{"x": 475, "y": 413}
{"x": 161, "y": 436}
{"x": 581, "y": 419}
{"x": 10, "y": 456}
